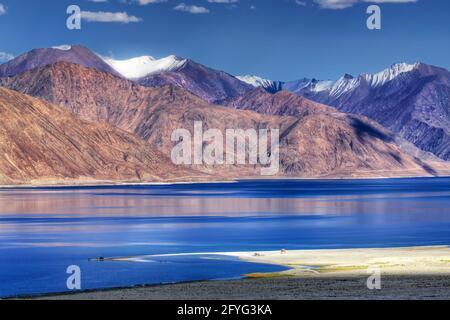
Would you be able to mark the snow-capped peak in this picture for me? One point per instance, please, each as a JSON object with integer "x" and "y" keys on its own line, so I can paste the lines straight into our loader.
{"x": 139, "y": 67}
{"x": 322, "y": 85}
{"x": 380, "y": 78}
{"x": 256, "y": 81}
{"x": 348, "y": 83}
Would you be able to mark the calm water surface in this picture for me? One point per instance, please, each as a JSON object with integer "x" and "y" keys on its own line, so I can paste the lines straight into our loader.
{"x": 43, "y": 231}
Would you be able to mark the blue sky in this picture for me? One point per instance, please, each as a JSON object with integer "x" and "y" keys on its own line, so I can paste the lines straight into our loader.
{"x": 277, "y": 39}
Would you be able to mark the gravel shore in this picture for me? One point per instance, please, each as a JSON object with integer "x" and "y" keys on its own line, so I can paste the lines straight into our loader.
{"x": 393, "y": 287}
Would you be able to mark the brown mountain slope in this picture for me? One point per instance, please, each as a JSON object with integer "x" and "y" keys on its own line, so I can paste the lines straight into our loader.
{"x": 43, "y": 143}
{"x": 284, "y": 103}
{"x": 316, "y": 145}
{"x": 316, "y": 141}
{"x": 88, "y": 93}
{"x": 347, "y": 146}
{"x": 281, "y": 103}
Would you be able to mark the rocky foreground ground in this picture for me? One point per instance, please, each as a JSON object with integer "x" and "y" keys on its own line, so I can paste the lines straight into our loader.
{"x": 347, "y": 288}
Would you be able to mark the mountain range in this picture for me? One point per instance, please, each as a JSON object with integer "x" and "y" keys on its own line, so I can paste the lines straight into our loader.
{"x": 412, "y": 100}
{"x": 147, "y": 99}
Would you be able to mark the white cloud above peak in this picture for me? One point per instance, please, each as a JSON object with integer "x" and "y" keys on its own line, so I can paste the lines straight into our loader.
{"x": 146, "y": 2}
{"x": 191, "y": 8}
{"x": 343, "y": 4}
{"x": 101, "y": 16}
{"x": 300, "y": 3}
{"x": 223, "y": 1}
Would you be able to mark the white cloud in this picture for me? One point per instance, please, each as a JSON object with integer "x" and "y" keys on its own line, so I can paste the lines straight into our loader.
{"x": 343, "y": 4}
{"x": 223, "y": 1}
{"x": 191, "y": 8}
{"x": 146, "y": 2}
{"x": 391, "y": 1}
{"x": 2, "y": 9}
{"x": 230, "y": 4}
{"x": 335, "y": 4}
{"x": 100, "y": 16}
{"x": 4, "y": 57}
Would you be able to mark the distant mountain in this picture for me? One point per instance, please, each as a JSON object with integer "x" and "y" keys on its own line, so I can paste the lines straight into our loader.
{"x": 276, "y": 86}
{"x": 41, "y": 143}
{"x": 146, "y": 65}
{"x": 316, "y": 141}
{"x": 42, "y": 57}
{"x": 410, "y": 99}
{"x": 209, "y": 84}
{"x": 348, "y": 83}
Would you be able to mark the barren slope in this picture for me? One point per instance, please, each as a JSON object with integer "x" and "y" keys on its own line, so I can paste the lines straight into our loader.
{"x": 40, "y": 142}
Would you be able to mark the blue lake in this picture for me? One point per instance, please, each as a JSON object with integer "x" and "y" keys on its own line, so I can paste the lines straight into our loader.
{"x": 44, "y": 230}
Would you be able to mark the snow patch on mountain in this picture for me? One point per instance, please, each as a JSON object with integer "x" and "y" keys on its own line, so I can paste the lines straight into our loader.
{"x": 389, "y": 74}
{"x": 256, "y": 81}
{"x": 296, "y": 85}
{"x": 139, "y": 67}
{"x": 63, "y": 47}
{"x": 320, "y": 86}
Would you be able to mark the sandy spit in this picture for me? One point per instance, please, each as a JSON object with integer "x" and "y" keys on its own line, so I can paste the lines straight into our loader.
{"x": 406, "y": 273}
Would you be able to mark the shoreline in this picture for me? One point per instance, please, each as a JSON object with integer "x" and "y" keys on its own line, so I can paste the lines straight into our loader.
{"x": 193, "y": 182}
{"x": 421, "y": 271}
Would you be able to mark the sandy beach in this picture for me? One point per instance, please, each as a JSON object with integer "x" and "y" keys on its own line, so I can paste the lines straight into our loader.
{"x": 406, "y": 273}
{"x": 355, "y": 262}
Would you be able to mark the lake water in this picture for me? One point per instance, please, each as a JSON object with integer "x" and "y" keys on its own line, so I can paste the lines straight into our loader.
{"x": 44, "y": 230}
